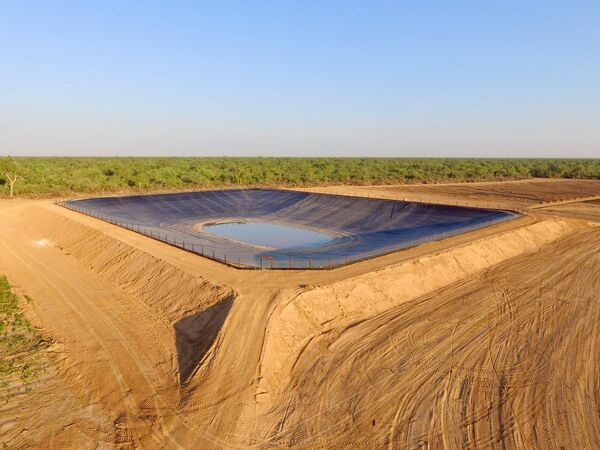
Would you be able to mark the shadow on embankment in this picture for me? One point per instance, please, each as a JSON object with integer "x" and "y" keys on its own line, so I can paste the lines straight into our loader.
{"x": 195, "y": 334}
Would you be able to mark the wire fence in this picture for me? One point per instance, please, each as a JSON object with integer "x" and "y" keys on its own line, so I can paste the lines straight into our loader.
{"x": 278, "y": 262}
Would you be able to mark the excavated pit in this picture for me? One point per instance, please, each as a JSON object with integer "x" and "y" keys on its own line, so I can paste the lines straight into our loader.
{"x": 341, "y": 229}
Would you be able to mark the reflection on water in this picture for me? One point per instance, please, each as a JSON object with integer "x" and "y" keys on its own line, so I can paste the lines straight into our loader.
{"x": 267, "y": 234}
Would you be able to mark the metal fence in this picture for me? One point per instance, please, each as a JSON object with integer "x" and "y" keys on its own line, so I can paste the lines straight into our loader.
{"x": 270, "y": 262}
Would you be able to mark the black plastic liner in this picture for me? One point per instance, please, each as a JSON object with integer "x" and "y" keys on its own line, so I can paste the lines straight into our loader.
{"x": 364, "y": 227}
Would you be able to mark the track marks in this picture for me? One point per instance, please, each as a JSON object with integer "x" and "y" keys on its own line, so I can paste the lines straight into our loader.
{"x": 504, "y": 359}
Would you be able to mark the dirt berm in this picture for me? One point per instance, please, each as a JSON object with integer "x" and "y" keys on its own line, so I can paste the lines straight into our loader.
{"x": 193, "y": 307}
{"x": 313, "y": 311}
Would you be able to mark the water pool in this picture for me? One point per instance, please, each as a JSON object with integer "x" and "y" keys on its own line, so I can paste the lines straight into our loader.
{"x": 268, "y": 234}
{"x": 301, "y": 230}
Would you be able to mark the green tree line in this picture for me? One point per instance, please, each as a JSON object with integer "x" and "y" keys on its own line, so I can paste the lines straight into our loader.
{"x": 42, "y": 176}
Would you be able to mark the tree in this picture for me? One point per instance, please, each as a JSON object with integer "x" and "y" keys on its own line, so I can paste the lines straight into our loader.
{"x": 9, "y": 167}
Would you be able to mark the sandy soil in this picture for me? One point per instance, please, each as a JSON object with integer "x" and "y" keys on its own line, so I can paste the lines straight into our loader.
{"x": 483, "y": 340}
{"x": 588, "y": 210}
{"x": 507, "y": 358}
{"x": 501, "y": 194}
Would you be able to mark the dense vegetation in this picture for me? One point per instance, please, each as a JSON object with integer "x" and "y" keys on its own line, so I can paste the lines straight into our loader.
{"x": 64, "y": 175}
{"x": 19, "y": 341}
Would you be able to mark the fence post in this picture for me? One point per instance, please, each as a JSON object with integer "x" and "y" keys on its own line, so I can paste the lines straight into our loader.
{"x": 225, "y": 257}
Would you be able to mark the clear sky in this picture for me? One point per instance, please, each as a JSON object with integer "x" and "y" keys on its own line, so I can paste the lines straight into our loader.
{"x": 300, "y": 78}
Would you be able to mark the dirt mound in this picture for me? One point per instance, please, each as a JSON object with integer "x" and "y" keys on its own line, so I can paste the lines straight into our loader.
{"x": 193, "y": 307}
{"x": 170, "y": 292}
{"x": 343, "y": 304}
{"x": 129, "y": 327}
{"x": 506, "y": 358}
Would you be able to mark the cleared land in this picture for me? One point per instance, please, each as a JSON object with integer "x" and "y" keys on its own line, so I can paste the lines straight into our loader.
{"x": 587, "y": 210}
{"x": 502, "y": 194}
{"x": 489, "y": 339}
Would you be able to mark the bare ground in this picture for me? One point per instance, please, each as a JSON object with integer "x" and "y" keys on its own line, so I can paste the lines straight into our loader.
{"x": 483, "y": 340}
{"x": 507, "y": 358}
{"x": 587, "y": 210}
{"x": 520, "y": 194}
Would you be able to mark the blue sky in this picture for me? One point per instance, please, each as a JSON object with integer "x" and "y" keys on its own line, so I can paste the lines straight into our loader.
{"x": 304, "y": 78}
